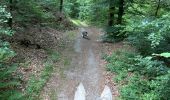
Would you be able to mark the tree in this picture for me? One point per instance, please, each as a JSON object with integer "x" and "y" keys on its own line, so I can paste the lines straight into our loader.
{"x": 9, "y": 81}
{"x": 120, "y": 12}
{"x": 61, "y": 9}
{"x": 158, "y": 7}
{"x": 111, "y": 13}
{"x": 10, "y": 19}
{"x": 61, "y": 6}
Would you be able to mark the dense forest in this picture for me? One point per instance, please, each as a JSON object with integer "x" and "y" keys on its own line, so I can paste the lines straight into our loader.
{"x": 37, "y": 28}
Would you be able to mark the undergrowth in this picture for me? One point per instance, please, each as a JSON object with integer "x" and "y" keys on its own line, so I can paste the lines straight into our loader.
{"x": 140, "y": 78}
{"x": 71, "y": 35}
{"x": 9, "y": 78}
{"x": 35, "y": 84}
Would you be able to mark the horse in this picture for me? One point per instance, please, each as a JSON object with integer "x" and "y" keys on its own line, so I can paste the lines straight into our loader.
{"x": 80, "y": 93}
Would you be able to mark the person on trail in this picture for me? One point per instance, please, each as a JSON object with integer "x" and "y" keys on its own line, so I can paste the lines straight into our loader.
{"x": 84, "y": 33}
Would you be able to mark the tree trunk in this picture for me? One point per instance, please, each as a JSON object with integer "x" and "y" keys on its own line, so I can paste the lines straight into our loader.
{"x": 10, "y": 19}
{"x": 61, "y": 9}
{"x": 111, "y": 13}
{"x": 156, "y": 13}
{"x": 61, "y": 6}
{"x": 121, "y": 11}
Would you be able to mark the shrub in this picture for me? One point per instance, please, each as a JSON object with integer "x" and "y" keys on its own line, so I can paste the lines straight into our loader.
{"x": 113, "y": 34}
{"x": 140, "y": 78}
{"x": 121, "y": 60}
{"x": 148, "y": 67}
{"x": 149, "y": 35}
{"x": 36, "y": 83}
{"x": 9, "y": 81}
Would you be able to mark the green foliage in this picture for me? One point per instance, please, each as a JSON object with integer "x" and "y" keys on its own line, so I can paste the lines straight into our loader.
{"x": 149, "y": 35}
{"x": 35, "y": 84}
{"x": 140, "y": 78}
{"x": 30, "y": 11}
{"x": 135, "y": 88}
{"x": 71, "y": 8}
{"x": 9, "y": 81}
{"x": 119, "y": 64}
{"x": 148, "y": 67}
{"x": 49, "y": 5}
{"x": 4, "y": 16}
{"x": 113, "y": 34}
{"x": 92, "y": 11}
{"x": 79, "y": 9}
{"x": 53, "y": 55}
{"x": 144, "y": 78}
{"x": 120, "y": 61}
{"x": 166, "y": 55}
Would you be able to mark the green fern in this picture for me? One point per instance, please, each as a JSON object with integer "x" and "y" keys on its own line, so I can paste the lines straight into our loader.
{"x": 9, "y": 82}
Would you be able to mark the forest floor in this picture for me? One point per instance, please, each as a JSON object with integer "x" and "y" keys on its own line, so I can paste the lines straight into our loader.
{"x": 81, "y": 62}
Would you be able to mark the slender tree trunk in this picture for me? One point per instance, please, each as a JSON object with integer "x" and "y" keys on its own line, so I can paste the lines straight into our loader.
{"x": 111, "y": 13}
{"x": 61, "y": 6}
{"x": 121, "y": 11}
{"x": 158, "y": 6}
{"x": 10, "y": 19}
{"x": 61, "y": 9}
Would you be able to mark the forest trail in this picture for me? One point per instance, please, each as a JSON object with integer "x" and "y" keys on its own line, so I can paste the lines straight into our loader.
{"x": 85, "y": 66}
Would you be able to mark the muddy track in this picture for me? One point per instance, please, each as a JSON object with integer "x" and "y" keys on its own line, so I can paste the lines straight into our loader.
{"x": 85, "y": 66}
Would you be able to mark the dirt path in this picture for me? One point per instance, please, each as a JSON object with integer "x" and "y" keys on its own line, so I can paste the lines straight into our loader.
{"x": 85, "y": 66}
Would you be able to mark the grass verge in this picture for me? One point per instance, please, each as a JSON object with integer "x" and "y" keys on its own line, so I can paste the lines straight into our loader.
{"x": 35, "y": 84}
{"x": 71, "y": 35}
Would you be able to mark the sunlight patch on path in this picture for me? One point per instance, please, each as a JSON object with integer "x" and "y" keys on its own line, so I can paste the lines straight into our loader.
{"x": 79, "y": 22}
